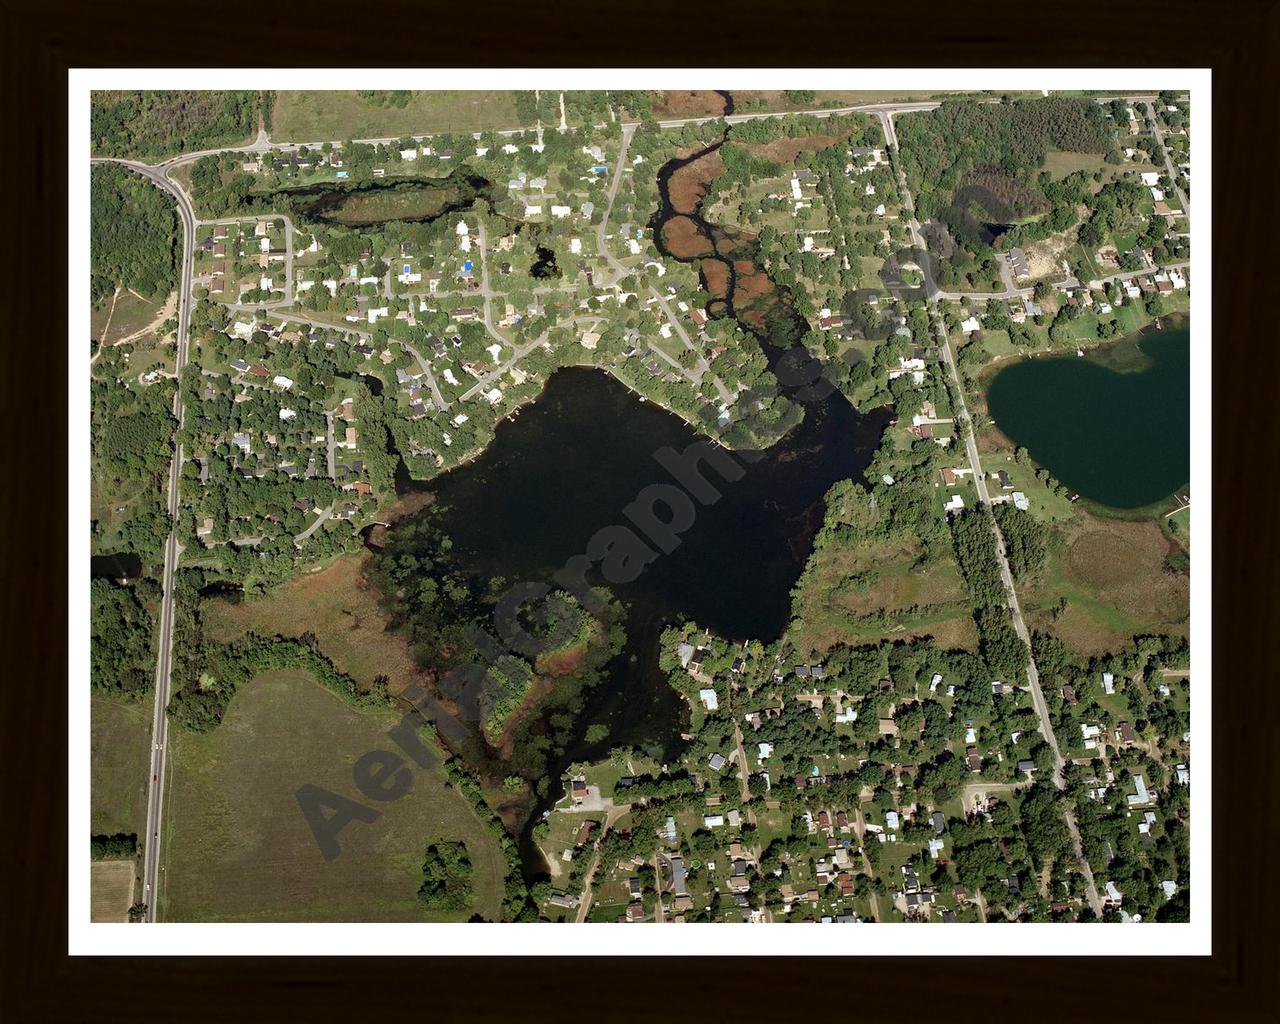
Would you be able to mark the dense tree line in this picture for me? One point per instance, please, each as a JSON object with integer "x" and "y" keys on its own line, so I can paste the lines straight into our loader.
{"x": 939, "y": 148}
{"x": 516, "y": 902}
{"x": 1025, "y": 539}
{"x": 162, "y": 122}
{"x": 211, "y": 674}
{"x": 121, "y": 846}
{"x": 446, "y": 877}
{"x": 975, "y": 546}
{"x": 133, "y": 234}
{"x": 122, "y": 642}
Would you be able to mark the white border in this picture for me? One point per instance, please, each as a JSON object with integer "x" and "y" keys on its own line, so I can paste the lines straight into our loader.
{"x": 510, "y": 939}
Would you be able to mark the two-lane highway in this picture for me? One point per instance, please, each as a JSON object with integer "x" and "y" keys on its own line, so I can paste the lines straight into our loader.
{"x": 164, "y": 658}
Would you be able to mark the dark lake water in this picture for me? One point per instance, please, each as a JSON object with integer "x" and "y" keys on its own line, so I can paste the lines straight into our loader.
{"x": 1114, "y": 426}
{"x": 568, "y": 465}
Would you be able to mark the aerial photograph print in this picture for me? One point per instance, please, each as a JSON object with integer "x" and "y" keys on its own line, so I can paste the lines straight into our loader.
{"x": 641, "y": 506}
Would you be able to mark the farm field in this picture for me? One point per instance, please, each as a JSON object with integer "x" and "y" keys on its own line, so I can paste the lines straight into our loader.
{"x": 343, "y": 114}
{"x": 120, "y": 732}
{"x": 110, "y": 890}
{"x": 237, "y": 848}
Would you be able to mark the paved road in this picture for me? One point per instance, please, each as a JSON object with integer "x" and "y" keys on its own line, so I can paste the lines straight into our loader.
{"x": 288, "y": 260}
{"x": 1168, "y": 164}
{"x": 486, "y": 293}
{"x": 164, "y": 659}
{"x": 975, "y": 463}
{"x": 321, "y": 518}
{"x": 425, "y": 367}
{"x": 932, "y": 291}
{"x": 491, "y": 378}
{"x": 263, "y": 144}
{"x": 619, "y": 271}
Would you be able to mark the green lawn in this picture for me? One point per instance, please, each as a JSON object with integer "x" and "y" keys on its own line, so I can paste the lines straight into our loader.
{"x": 237, "y": 848}
{"x": 1059, "y": 164}
{"x": 318, "y": 116}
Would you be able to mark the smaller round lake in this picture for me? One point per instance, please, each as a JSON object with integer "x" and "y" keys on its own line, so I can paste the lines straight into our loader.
{"x": 1114, "y": 426}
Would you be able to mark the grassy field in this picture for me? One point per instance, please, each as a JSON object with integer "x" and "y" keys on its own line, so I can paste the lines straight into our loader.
{"x": 1179, "y": 525}
{"x": 237, "y": 848}
{"x": 831, "y": 607}
{"x": 127, "y": 317}
{"x": 316, "y": 116}
{"x": 1059, "y": 164}
{"x": 110, "y": 890}
{"x": 338, "y": 607}
{"x": 120, "y": 734}
{"x": 1113, "y": 575}
{"x": 388, "y": 204}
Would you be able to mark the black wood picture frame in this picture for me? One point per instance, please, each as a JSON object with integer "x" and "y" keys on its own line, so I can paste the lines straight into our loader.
{"x": 1239, "y": 40}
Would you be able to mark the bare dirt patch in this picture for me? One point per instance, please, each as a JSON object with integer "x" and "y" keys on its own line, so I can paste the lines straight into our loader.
{"x": 166, "y": 311}
{"x": 1044, "y": 258}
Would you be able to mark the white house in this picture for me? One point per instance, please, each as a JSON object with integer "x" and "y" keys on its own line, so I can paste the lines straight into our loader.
{"x": 280, "y": 380}
{"x": 708, "y": 698}
{"x": 970, "y": 325}
{"x": 1142, "y": 795}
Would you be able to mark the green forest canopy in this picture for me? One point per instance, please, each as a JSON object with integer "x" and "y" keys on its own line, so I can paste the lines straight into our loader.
{"x": 941, "y": 148}
{"x": 133, "y": 240}
{"x": 163, "y": 122}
